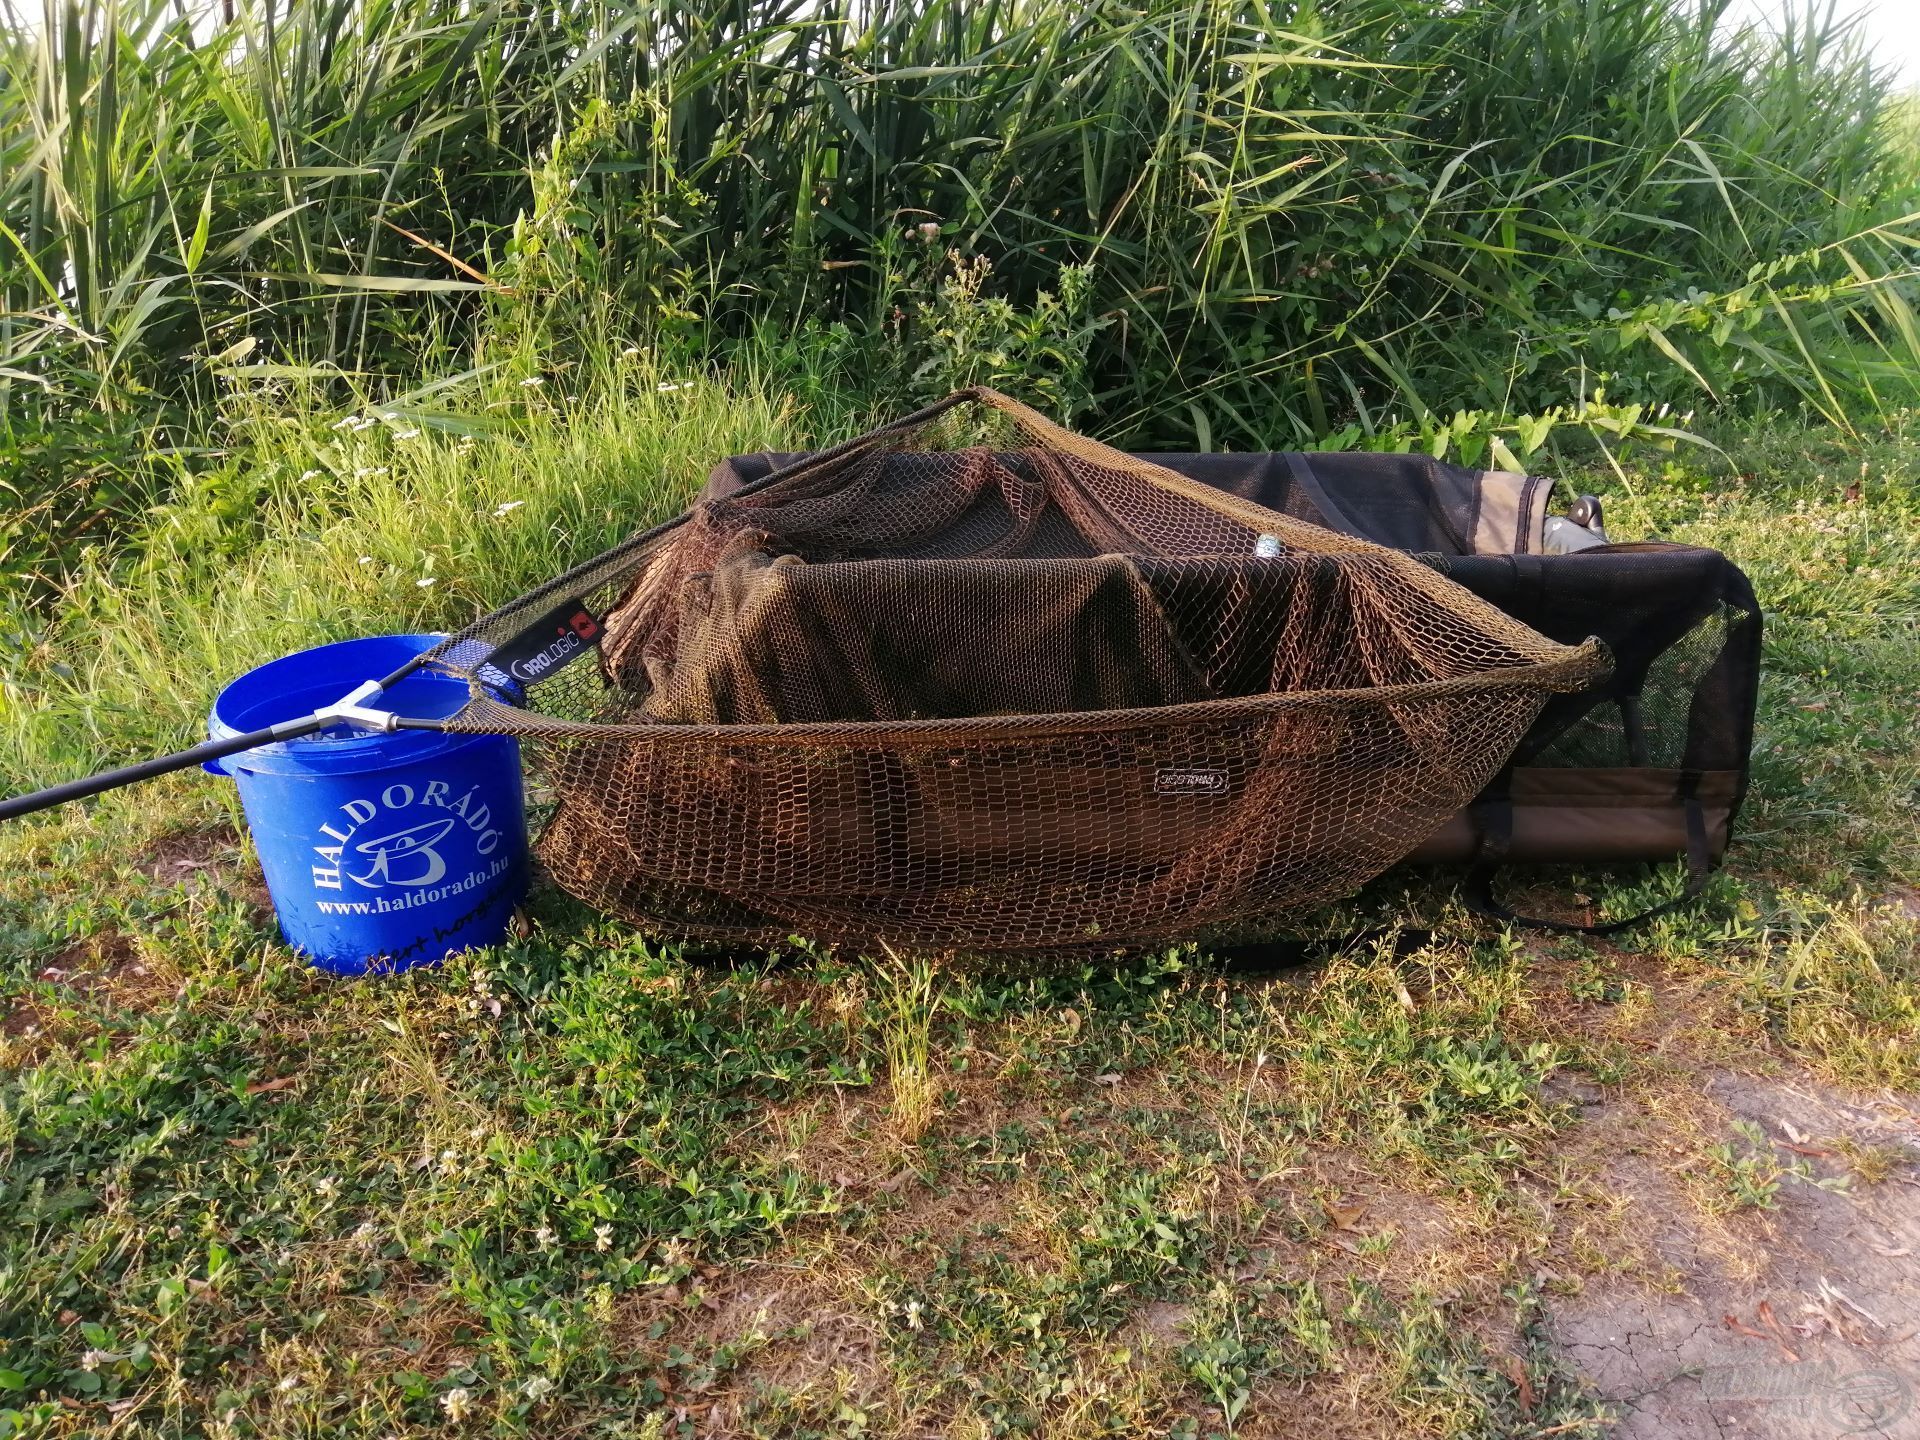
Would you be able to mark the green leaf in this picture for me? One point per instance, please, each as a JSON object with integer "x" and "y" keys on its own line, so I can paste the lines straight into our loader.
{"x": 398, "y": 284}
{"x": 197, "y": 246}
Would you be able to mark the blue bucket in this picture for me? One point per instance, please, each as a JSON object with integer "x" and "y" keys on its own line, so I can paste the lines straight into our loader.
{"x": 381, "y": 851}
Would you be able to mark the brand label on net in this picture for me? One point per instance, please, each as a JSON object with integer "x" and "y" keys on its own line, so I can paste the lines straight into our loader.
{"x": 559, "y": 637}
{"x": 1189, "y": 781}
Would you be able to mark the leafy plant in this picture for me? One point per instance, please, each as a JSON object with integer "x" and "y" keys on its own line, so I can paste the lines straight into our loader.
{"x": 1203, "y": 230}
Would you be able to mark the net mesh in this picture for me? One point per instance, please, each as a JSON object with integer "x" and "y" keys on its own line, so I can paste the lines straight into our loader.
{"x": 973, "y": 682}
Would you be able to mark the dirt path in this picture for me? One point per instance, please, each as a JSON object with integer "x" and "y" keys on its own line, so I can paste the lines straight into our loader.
{"x": 1795, "y": 1323}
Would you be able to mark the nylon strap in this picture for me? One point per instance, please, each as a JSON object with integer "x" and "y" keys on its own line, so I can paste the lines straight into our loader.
{"x": 1492, "y": 817}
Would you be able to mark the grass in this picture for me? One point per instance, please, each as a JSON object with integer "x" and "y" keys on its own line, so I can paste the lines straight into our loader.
{"x": 409, "y": 515}
{"x": 583, "y": 1185}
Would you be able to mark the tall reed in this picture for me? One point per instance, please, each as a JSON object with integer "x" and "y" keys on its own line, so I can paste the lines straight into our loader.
{"x": 1296, "y": 218}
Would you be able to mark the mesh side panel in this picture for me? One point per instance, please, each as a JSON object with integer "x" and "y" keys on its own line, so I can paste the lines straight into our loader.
{"x": 1649, "y": 727}
{"x": 975, "y": 682}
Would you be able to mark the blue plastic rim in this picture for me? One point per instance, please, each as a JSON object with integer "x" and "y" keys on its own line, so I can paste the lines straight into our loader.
{"x": 381, "y": 851}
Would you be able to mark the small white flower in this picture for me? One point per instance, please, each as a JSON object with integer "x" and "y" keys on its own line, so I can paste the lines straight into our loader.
{"x": 327, "y": 1187}
{"x": 912, "y": 1312}
{"x": 423, "y": 582}
{"x": 533, "y": 380}
{"x": 389, "y": 414}
{"x": 306, "y": 475}
{"x": 537, "y": 1389}
{"x": 363, "y": 422}
{"x": 667, "y": 387}
{"x": 506, "y": 507}
{"x": 342, "y": 423}
{"x": 456, "y": 1402}
{"x": 366, "y": 559}
{"x": 631, "y": 352}
{"x": 366, "y": 471}
{"x": 544, "y": 1237}
{"x": 288, "y": 1382}
{"x": 603, "y": 1237}
{"x": 364, "y": 1232}
{"x": 407, "y": 434}
{"x": 94, "y": 1359}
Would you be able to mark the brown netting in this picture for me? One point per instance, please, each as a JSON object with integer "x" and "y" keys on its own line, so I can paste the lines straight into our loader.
{"x": 1023, "y": 694}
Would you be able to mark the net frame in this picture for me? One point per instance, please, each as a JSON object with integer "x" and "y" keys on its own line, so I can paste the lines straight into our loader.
{"x": 586, "y": 750}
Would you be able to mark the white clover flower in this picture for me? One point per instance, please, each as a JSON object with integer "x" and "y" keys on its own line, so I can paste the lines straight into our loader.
{"x": 537, "y": 1389}
{"x": 327, "y": 1187}
{"x": 456, "y": 1402}
{"x": 912, "y": 1312}
{"x": 94, "y": 1359}
{"x": 544, "y": 1237}
{"x": 603, "y": 1237}
{"x": 364, "y": 1232}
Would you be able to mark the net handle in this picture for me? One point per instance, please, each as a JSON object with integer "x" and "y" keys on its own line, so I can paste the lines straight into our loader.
{"x": 564, "y": 582}
{"x": 349, "y": 709}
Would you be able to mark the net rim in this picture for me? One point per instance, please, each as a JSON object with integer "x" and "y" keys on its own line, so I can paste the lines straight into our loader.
{"x": 1580, "y": 664}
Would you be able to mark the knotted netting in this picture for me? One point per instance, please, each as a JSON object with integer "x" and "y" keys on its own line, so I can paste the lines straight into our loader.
{"x": 973, "y": 682}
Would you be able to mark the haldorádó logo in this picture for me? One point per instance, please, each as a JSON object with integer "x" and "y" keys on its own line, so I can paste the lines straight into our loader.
{"x": 421, "y": 831}
{"x": 412, "y": 849}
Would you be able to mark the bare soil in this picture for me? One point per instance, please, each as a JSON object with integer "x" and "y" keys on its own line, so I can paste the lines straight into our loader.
{"x": 1807, "y": 1330}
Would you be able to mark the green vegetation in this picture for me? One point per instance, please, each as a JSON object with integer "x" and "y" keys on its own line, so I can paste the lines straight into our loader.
{"x": 1185, "y": 223}
{"x": 330, "y": 318}
{"x": 581, "y": 1185}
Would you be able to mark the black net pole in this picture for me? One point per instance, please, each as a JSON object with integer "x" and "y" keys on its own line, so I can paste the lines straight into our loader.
{"x": 161, "y": 765}
{"x": 106, "y": 780}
